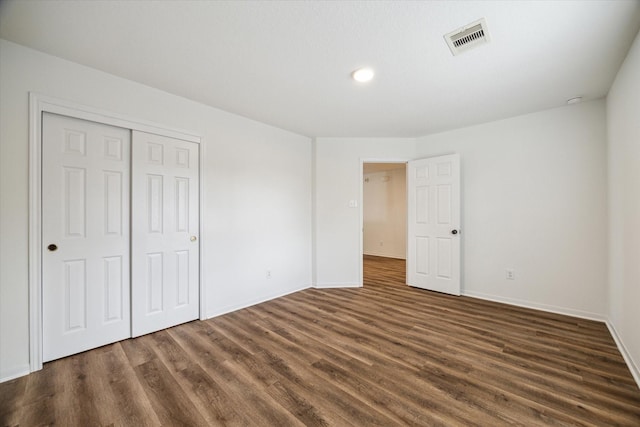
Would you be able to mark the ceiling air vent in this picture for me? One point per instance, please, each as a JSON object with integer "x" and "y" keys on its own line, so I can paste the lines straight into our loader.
{"x": 468, "y": 37}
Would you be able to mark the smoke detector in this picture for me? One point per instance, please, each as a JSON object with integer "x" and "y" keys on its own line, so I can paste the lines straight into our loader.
{"x": 468, "y": 37}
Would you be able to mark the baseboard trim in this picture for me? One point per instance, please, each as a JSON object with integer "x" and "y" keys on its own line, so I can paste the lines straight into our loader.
{"x": 633, "y": 367}
{"x": 235, "y": 307}
{"x": 337, "y": 285}
{"x": 536, "y": 306}
{"x": 17, "y": 372}
{"x": 385, "y": 255}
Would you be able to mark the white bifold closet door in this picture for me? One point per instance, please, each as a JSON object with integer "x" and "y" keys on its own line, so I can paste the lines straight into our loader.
{"x": 120, "y": 222}
{"x": 165, "y": 224}
{"x": 85, "y": 235}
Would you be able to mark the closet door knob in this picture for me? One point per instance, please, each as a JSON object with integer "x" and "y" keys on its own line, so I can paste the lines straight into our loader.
{"x": 454, "y": 231}
{"x": 52, "y": 247}
{"x": 193, "y": 238}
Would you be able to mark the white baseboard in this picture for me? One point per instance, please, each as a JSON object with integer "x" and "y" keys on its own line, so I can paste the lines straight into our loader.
{"x": 631, "y": 364}
{"x": 328, "y": 285}
{"x": 384, "y": 255}
{"x": 245, "y": 304}
{"x": 537, "y": 306}
{"x": 18, "y": 371}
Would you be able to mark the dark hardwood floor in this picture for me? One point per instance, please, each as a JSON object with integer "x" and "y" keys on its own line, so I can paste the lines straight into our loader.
{"x": 385, "y": 354}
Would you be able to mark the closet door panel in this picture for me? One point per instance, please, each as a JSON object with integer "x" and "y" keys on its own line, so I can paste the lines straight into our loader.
{"x": 85, "y": 235}
{"x": 165, "y": 232}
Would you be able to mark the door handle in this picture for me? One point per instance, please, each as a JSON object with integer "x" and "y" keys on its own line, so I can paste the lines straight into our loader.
{"x": 52, "y": 247}
{"x": 193, "y": 238}
{"x": 454, "y": 231}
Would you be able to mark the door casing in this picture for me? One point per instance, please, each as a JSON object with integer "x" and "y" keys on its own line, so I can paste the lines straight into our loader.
{"x": 361, "y": 211}
{"x": 361, "y": 207}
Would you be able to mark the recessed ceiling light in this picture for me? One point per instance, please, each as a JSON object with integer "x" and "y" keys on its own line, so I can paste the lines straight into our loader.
{"x": 574, "y": 100}
{"x": 363, "y": 75}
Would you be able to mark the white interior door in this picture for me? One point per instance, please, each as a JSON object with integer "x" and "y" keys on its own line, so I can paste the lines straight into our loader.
{"x": 433, "y": 203}
{"x": 165, "y": 232}
{"x": 85, "y": 235}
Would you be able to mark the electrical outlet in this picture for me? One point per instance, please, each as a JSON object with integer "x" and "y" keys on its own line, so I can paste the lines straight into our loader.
{"x": 268, "y": 274}
{"x": 510, "y": 274}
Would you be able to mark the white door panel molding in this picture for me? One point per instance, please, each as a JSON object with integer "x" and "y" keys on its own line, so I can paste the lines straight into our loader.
{"x": 433, "y": 210}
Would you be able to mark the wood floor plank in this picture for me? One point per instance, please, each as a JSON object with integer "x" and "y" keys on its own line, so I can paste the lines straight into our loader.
{"x": 170, "y": 403}
{"x": 138, "y": 350}
{"x": 121, "y": 387}
{"x": 290, "y": 398}
{"x": 11, "y": 401}
{"x": 75, "y": 379}
{"x": 213, "y": 403}
{"x": 211, "y": 386}
{"x": 384, "y": 354}
{"x": 248, "y": 400}
{"x": 41, "y": 390}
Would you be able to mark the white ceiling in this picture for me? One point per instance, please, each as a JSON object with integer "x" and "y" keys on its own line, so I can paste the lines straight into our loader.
{"x": 288, "y": 63}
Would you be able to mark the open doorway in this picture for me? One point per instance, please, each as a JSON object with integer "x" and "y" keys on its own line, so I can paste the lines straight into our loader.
{"x": 384, "y": 223}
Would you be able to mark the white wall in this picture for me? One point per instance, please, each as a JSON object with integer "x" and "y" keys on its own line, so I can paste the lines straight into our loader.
{"x": 623, "y": 124}
{"x": 534, "y": 200}
{"x": 257, "y": 189}
{"x": 338, "y": 179}
{"x": 384, "y": 213}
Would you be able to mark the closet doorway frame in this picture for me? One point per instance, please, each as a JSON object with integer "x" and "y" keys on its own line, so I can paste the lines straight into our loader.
{"x": 39, "y": 104}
